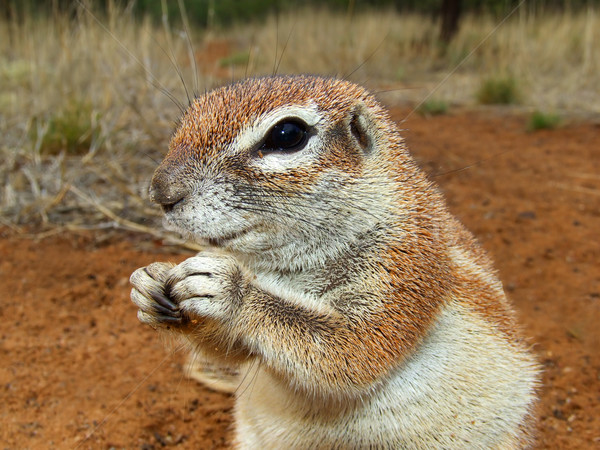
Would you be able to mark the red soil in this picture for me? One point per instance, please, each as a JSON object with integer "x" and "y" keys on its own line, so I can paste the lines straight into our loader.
{"x": 79, "y": 370}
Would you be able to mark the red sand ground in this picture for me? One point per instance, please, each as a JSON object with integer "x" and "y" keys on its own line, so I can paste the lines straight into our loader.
{"x": 79, "y": 371}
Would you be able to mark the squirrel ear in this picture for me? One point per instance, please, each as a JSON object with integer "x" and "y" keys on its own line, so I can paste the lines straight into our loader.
{"x": 361, "y": 128}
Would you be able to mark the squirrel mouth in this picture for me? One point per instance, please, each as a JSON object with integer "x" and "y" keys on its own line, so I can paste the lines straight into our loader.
{"x": 221, "y": 241}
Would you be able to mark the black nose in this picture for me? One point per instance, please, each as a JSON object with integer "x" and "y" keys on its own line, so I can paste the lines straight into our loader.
{"x": 168, "y": 186}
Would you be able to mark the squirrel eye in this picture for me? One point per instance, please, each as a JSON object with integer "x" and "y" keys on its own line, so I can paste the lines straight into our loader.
{"x": 289, "y": 135}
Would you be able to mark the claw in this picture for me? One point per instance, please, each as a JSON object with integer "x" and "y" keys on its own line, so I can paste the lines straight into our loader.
{"x": 168, "y": 319}
{"x": 164, "y": 301}
{"x": 161, "y": 310}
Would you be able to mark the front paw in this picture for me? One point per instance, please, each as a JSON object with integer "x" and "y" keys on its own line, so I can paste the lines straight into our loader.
{"x": 207, "y": 285}
{"x": 150, "y": 295}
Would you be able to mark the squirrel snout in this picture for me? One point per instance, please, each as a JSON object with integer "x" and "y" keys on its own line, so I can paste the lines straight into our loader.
{"x": 167, "y": 189}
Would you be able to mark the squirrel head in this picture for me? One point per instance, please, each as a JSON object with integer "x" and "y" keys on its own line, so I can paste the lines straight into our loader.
{"x": 293, "y": 168}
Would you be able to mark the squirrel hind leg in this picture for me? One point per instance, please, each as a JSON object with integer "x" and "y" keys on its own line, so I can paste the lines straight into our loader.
{"x": 216, "y": 375}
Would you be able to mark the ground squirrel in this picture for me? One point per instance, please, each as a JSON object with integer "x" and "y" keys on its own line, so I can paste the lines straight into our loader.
{"x": 359, "y": 311}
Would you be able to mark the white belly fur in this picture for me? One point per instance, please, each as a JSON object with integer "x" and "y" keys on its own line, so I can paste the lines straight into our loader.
{"x": 464, "y": 388}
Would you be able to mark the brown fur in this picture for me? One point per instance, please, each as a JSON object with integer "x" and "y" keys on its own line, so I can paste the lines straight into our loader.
{"x": 371, "y": 263}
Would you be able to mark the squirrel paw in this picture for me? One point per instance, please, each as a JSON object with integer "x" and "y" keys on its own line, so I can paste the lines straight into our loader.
{"x": 149, "y": 293}
{"x": 207, "y": 285}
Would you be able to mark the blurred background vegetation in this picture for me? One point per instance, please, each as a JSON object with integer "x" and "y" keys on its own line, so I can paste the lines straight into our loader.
{"x": 223, "y": 13}
{"x": 90, "y": 90}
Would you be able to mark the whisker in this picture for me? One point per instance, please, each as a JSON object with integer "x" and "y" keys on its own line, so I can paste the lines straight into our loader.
{"x": 153, "y": 80}
{"x": 249, "y": 57}
{"x": 276, "y": 42}
{"x": 173, "y": 62}
{"x": 167, "y": 29}
{"x": 302, "y": 199}
{"x": 190, "y": 45}
{"x": 302, "y": 204}
{"x": 373, "y": 53}
{"x": 284, "y": 47}
{"x": 254, "y": 366}
{"x": 277, "y": 215}
{"x": 475, "y": 164}
{"x": 463, "y": 60}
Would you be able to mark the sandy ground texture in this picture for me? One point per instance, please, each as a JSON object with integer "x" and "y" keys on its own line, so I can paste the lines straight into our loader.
{"x": 79, "y": 371}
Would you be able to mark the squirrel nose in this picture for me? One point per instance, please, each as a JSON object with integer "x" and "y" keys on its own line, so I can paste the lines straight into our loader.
{"x": 167, "y": 187}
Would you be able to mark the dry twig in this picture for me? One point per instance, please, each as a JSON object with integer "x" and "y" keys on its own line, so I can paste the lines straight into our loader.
{"x": 133, "y": 226}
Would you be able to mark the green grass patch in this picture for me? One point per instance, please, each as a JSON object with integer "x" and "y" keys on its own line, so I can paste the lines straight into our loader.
{"x": 73, "y": 129}
{"x": 433, "y": 107}
{"x": 499, "y": 91}
{"x": 236, "y": 59}
{"x": 543, "y": 121}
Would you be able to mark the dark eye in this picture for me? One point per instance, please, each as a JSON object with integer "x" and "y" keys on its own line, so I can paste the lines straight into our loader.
{"x": 289, "y": 135}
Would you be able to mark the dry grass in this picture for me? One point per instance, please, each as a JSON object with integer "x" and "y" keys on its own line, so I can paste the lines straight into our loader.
{"x": 554, "y": 58}
{"x": 82, "y": 110}
{"x": 73, "y": 80}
